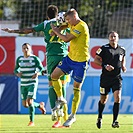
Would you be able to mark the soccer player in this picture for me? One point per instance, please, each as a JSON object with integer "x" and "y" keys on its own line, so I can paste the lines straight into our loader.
{"x": 56, "y": 49}
{"x": 111, "y": 57}
{"x": 76, "y": 61}
{"x": 27, "y": 68}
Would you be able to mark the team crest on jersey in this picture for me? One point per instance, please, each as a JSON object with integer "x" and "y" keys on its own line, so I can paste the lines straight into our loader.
{"x": 99, "y": 51}
{"x": 60, "y": 63}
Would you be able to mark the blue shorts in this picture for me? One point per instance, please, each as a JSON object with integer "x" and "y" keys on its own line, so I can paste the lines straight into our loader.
{"x": 78, "y": 69}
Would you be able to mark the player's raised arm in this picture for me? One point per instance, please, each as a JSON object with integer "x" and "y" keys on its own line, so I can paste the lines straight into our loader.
{"x": 19, "y": 31}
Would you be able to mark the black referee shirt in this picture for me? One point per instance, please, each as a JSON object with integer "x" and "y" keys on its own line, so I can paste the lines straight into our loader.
{"x": 111, "y": 56}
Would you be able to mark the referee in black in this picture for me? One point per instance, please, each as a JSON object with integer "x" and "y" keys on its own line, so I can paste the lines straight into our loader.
{"x": 111, "y": 57}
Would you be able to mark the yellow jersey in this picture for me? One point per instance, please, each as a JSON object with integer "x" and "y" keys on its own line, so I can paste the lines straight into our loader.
{"x": 79, "y": 46}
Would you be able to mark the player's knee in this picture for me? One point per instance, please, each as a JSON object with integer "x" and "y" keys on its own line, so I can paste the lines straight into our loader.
{"x": 117, "y": 99}
{"x": 25, "y": 105}
{"x": 77, "y": 85}
{"x": 103, "y": 101}
{"x": 54, "y": 77}
{"x": 30, "y": 101}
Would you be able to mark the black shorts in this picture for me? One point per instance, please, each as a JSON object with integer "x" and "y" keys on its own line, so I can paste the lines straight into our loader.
{"x": 109, "y": 82}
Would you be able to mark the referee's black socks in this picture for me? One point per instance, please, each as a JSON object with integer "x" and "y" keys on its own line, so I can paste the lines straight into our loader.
{"x": 100, "y": 109}
{"x": 115, "y": 111}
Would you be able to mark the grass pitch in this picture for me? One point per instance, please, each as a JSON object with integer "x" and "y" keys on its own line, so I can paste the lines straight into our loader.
{"x": 84, "y": 124}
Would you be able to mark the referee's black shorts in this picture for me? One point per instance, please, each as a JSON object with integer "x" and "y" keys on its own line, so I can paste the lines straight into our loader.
{"x": 110, "y": 82}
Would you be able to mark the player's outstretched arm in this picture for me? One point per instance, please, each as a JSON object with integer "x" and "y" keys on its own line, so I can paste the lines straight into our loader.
{"x": 19, "y": 31}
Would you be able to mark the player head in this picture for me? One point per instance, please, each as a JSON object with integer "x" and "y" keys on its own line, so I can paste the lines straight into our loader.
{"x": 26, "y": 48}
{"x": 52, "y": 11}
{"x": 71, "y": 17}
{"x": 113, "y": 37}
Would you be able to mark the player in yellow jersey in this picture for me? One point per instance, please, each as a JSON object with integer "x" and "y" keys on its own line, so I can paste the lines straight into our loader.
{"x": 76, "y": 62}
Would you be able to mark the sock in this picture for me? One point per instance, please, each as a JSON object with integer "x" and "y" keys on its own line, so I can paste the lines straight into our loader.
{"x": 36, "y": 105}
{"x": 100, "y": 109}
{"x": 57, "y": 87}
{"x": 65, "y": 108}
{"x": 52, "y": 96}
{"x": 59, "y": 119}
{"x": 115, "y": 111}
{"x": 65, "y": 111}
{"x": 76, "y": 100}
{"x": 31, "y": 112}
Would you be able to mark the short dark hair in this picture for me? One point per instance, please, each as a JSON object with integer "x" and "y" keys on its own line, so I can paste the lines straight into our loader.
{"x": 52, "y": 11}
{"x": 112, "y": 32}
{"x": 26, "y": 44}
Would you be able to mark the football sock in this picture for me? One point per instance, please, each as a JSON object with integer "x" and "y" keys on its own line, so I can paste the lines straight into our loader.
{"x": 57, "y": 87}
{"x": 76, "y": 100}
{"x": 100, "y": 109}
{"x": 31, "y": 112}
{"x": 65, "y": 111}
{"x": 115, "y": 111}
{"x": 36, "y": 105}
{"x": 65, "y": 108}
{"x": 59, "y": 119}
{"x": 52, "y": 96}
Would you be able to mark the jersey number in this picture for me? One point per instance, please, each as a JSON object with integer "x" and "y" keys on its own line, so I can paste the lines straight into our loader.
{"x": 54, "y": 38}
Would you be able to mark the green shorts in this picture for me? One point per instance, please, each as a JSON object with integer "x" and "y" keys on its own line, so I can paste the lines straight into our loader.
{"x": 28, "y": 92}
{"x": 52, "y": 62}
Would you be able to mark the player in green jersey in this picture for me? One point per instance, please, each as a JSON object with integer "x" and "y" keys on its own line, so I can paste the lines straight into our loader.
{"x": 56, "y": 49}
{"x": 28, "y": 68}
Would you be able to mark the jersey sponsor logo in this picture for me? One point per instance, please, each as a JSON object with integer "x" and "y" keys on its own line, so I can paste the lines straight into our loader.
{"x": 76, "y": 31}
{"x": 26, "y": 64}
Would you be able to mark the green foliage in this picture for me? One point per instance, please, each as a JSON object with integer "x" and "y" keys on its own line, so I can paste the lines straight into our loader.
{"x": 1, "y": 13}
{"x": 95, "y": 13}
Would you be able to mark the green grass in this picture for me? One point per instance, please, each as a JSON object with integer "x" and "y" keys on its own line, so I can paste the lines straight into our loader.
{"x": 84, "y": 124}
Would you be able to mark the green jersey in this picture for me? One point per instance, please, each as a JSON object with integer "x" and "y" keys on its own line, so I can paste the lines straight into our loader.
{"x": 55, "y": 46}
{"x": 28, "y": 67}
